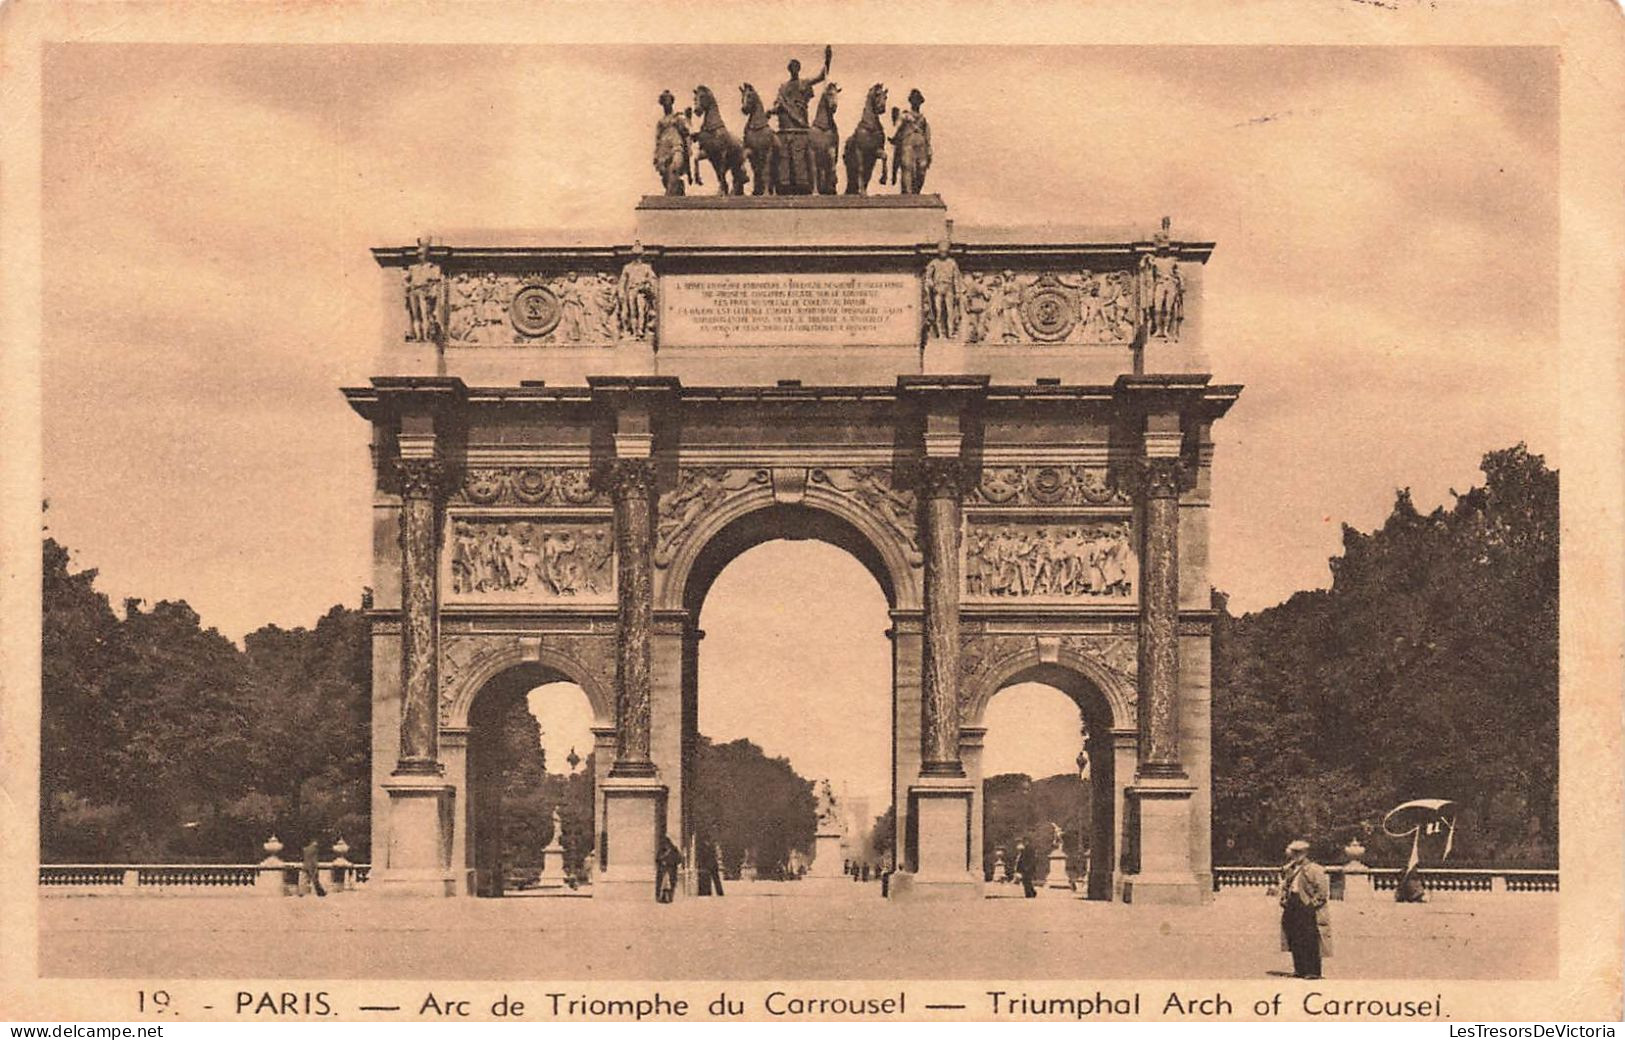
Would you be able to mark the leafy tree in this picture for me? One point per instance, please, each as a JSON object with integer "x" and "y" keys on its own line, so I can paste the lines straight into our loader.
{"x": 748, "y": 802}
{"x": 310, "y": 755}
{"x": 75, "y": 719}
{"x": 1428, "y": 669}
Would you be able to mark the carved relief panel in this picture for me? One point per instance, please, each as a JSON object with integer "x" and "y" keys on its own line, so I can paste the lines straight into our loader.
{"x": 528, "y": 560}
{"x": 1063, "y": 306}
{"x": 584, "y": 306}
{"x": 1065, "y": 560}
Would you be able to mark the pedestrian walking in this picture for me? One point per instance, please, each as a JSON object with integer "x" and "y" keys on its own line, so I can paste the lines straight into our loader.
{"x": 1026, "y": 868}
{"x": 313, "y": 869}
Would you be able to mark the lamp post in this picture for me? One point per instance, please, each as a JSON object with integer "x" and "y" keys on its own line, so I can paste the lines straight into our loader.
{"x": 1084, "y": 805}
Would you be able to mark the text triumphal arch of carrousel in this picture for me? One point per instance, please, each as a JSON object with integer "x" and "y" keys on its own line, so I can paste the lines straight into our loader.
{"x": 1010, "y": 430}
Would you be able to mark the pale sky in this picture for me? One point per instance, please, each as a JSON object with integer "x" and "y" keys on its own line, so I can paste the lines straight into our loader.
{"x": 1384, "y": 280}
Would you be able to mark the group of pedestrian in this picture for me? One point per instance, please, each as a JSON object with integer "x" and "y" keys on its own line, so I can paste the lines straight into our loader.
{"x": 669, "y": 860}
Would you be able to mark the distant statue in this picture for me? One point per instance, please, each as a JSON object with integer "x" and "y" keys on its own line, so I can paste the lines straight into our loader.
{"x": 671, "y": 145}
{"x": 828, "y": 817}
{"x": 761, "y": 143}
{"x": 943, "y": 287}
{"x": 718, "y": 144}
{"x": 425, "y": 295}
{"x": 825, "y": 137}
{"x": 1057, "y": 839}
{"x": 867, "y": 144}
{"x": 635, "y": 296}
{"x": 558, "y": 829}
{"x": 913, "y": 141}
{"x": 795, "y": 148}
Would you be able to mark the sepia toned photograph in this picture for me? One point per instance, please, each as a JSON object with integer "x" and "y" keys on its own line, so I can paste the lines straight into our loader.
{"x": 912, "y": 529}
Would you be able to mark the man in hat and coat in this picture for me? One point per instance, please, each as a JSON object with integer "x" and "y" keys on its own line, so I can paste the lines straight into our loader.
{"x": 1305, "y": 921}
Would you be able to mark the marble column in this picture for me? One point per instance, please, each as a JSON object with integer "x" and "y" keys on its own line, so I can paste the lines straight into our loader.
{"x": 420, "y": 483}
{"x": 417, "y": 857}
{"x": 1159, "y": 619}
{"x": 632, "y": 484}
{"x": 939, "y": 721}
{"x": 1162, "y": 792}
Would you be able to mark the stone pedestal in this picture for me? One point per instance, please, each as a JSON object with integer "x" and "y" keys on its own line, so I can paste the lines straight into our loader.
{"x": 1057, "y": 872}
{"x": 418, "y": 859}
{"x": 1166, "y": 873}
{"x": 552, "y": 876}
{"x": 942, "y": 807}
{"x": 634, "y": 820}
{"x": 827, "y": 860}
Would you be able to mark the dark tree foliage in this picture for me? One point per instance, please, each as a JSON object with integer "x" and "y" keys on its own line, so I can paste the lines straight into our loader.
{"x": 748, "y": 802}
{"x": 1427, "y": 670}
{"x": 162, "y": 741}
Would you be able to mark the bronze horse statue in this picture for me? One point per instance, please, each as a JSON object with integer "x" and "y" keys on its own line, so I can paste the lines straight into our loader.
{"x": 761, "y": 143}
{"x": 825, "y": 136}
{"x": 867, "y": 143}
{"x": 718, "y": 144}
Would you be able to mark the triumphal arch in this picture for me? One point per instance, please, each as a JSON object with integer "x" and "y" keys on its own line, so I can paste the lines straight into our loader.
{"x": 1010, "y": 430}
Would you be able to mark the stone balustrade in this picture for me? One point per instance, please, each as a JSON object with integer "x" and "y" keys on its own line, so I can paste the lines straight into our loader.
{"x": 191, "y": 878}
{"x": 1368, "y": 882}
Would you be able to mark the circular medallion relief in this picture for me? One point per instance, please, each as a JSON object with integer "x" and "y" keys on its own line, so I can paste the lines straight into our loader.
{"x": 535, "y": 310}
{"x": 1048, "y": 485}
{"x": 483, "y": 486}
{"x": 1048, "y": 312}
{"x": 532, "y": 485}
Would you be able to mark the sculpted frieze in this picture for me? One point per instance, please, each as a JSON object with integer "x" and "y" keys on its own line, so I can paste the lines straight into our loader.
{"x": 494, "y": 308}
{"x": 1119, "y": 654}
{"x": 1046, "y": 486}
{"x": 1050, "y": 561}
{"x": 586, "y": 660}
{"x": 530, "y": 560}
{"x": 1068, "y": 306}
{"x": 874, "y": 488}
{"x": 530, "y": 486}
{"x": 984, "y": 656}
{"x": 699, "y": 490}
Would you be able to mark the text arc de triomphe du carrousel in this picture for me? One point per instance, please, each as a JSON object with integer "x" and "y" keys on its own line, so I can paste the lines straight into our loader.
{"x": 1011, "y": 430}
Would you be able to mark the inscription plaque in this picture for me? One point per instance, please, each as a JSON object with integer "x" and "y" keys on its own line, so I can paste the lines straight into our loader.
{"x": 791, "y": 309}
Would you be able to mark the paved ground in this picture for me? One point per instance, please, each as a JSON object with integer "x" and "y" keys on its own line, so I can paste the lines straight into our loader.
{"x": 354, "y": 935}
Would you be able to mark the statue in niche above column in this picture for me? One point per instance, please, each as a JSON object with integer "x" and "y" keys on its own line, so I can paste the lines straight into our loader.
{"x": 1162, "y": 289}
{"x": 425, "y": 296}
{"x": 943, "y": 287}
{"x": 636, "y": 295}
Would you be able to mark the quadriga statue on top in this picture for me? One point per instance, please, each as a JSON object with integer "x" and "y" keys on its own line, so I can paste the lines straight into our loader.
{"x": 803, "y": 153}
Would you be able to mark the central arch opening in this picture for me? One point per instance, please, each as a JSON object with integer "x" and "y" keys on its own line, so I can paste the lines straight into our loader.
{"x": 788, "y": 772}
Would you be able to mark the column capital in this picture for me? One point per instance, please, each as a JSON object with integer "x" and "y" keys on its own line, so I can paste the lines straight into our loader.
{"x": 628, "y": 477}
{"x": 941, "y": 477}
{"x": 421, "y": 477}
{"x": 1163, "y": 477}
